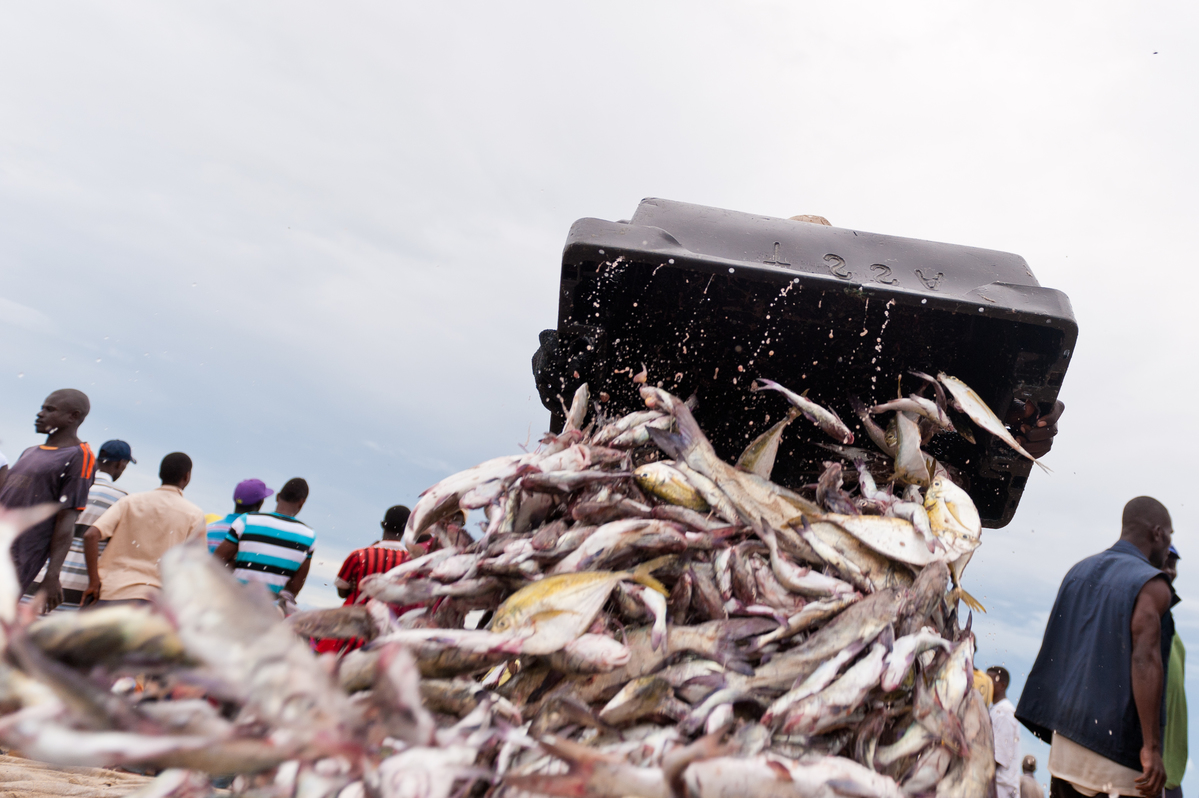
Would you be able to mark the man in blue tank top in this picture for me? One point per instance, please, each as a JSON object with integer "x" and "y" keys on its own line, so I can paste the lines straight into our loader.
{"x": 1096, "y": 691}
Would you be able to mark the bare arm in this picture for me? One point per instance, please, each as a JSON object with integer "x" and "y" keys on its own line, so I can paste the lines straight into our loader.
{"x": 296, "y": 583}
{"x": 60, "y": 544}
{"x": 91, "y": 554}
{"x": 1148, "y": 678}
{"x": 225, "y": 552}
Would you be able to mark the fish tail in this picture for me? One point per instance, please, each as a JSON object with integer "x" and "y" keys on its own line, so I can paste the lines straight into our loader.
{"x": 1044, "y": 467}
{"x": 642, "y": 574}
{"x": 672, "y": 443}
{"x": 971, "y": 602}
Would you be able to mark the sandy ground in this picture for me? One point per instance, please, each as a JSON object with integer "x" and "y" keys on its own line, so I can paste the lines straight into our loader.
{"x": 25, "y": 778}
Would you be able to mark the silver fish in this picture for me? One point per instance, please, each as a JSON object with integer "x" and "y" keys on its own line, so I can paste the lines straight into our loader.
{"x": 823, "y": 417}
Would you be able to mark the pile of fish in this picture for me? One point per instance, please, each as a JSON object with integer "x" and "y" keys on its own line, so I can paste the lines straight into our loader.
{"x": 637, "y": 617}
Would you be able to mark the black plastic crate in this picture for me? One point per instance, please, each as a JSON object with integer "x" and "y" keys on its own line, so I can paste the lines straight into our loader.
{"x": 710, "y": 299}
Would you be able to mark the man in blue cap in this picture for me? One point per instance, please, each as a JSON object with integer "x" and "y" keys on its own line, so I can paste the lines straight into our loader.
{"x": 114, "y": 457}
{"x": 248, "y": 497}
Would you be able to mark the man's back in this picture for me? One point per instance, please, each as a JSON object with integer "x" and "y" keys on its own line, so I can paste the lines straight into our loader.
{"x": 270, "y": 548}
{"x": 1007, "y": 748}
{"x": 139, "y": 529}
{"x": 1081, "y": 683}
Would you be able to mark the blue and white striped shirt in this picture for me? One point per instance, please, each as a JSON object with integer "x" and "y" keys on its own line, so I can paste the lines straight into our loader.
{"x": 270, "y": 548}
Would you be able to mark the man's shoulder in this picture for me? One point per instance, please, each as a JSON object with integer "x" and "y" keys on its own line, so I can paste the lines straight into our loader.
{"x": 278, "y": 522}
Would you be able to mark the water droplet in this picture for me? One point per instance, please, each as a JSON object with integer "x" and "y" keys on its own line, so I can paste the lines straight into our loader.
{"x": 20, "y": 375}
{"x": 97, "y": 360}
{"x": 731, "y": 270}
{"x": 924, "y": 302}
{"x": 670, "y": 261}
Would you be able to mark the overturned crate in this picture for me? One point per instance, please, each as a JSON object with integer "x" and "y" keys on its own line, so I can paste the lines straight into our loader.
{"x": 709, "y": 300}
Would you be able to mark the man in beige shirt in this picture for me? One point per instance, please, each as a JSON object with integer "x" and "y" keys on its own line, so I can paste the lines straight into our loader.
{"x": 139, "y": 529}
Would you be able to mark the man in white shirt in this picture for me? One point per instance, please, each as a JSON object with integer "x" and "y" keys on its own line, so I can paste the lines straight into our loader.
{"x": 1007, "y": 736}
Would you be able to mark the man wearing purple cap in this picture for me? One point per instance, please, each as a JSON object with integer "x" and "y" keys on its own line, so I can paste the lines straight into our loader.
{"x": 248, "y": 497}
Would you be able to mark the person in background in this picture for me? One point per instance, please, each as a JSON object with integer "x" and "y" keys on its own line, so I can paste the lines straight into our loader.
{"x": 1007, "y": 735}
{"x": 248, "y": 497}
{"x": 1096, "y": 691}
{"x": 139, "y": 529}
{"x": 113, "y": 459}
{"x": 274, "y": 549}
{"x": 60, "y": 471}
{"x": 3, "y": 469}
{"x": 1028, "y": 782}
{"x": 377, "y": 558}
{"x": 1174, "y": 743}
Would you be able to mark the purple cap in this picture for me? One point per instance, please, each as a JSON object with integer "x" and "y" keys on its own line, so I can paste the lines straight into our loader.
{"x": 251, "y": 491}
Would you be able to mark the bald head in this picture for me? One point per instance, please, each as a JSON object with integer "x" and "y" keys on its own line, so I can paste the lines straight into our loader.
{"x": 70, "y": 399}
{"x": 1146, "y": 524}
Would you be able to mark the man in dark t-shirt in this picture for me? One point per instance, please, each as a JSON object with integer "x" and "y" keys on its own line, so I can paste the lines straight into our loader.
{"x": 60, "y": 471}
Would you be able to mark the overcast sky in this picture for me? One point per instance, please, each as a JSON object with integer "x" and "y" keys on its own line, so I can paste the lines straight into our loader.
{"x": 320, "y": 240}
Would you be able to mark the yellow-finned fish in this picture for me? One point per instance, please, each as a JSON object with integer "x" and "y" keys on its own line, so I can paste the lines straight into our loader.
{"x": 758, "y": 457}
{"x": 556, "y": 610}
{"x": 972, "y": 405}
{"x": 669, "y": 484}
{"x": 955, "y": 521}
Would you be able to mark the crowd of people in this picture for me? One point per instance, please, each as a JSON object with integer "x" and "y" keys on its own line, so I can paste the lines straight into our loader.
{"x": 1106, "y": 690}
{"x": 103, "y": 545}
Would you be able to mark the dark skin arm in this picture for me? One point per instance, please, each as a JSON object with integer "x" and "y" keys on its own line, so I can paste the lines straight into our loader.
{"x": 226, "y": 552}
{"x": 296, "y": 583}
{"x": 344, "y": 592}
{"x": 91, "y": 554}
{"x": 1148, "y": 678}
{"x": 60, "y": 545}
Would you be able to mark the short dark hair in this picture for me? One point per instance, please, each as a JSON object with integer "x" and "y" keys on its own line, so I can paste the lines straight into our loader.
{"x": 175, "y": 468}
{"x": 294, "y": 490}
{"x": 396, "y": 517}
{"x": 1005, "y": 678}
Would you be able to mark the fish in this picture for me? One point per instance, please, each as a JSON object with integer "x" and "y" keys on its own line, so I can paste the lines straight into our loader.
{"x": 829, "y": 493}
{"x": 443, "y": 653}
{"x": 557, "y": 609}
{"x": 925, "y": 595}
{"x": 338, "y": 623}
{"x": 970, "y": 403}
{"x": 803, "y": 581}
{"x": 577, "y": 414}
{"x": 830, "y": 707}
{"x": 910, "y": 464}
{"x": 711, "y": 493}
{"x": 813, "y": 613}
{"x": 861, "y": 622}
{"x": 917, "y": 405}
{"x": 609, "y": 541}
{"x": 904, "y": 653}
{"x": 758, "y": 458}
{"x": 590, "y": 653}
{"x": 755, "y": 499}
{"x": 973, "y": 775}
{"x": 824, "y": 418}
{"x": 442, "y": 499}
{"x": 609, "y": 432}
{"x": 561, "y": 482}
{"x": 670, "y": 485}
{"x": 820, "y": 678}
{"x": 873, "y": 431}
{"x": 955, "y": 521}
{"x": 236, "y": 632}
{"x": 772, "y": 776}
{"x": 108, "y": 635}
{"x": 928, "y": 772}
{"x": 417, "y": 591}
{"x": 591, "y": 774}
{"x": 647, "y": 695}
{"x": 857, "y": 563}
{"x": 894, "y": 538}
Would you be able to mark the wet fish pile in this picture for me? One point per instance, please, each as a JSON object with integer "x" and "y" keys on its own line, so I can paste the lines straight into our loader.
{"x": 654, "y": 622}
